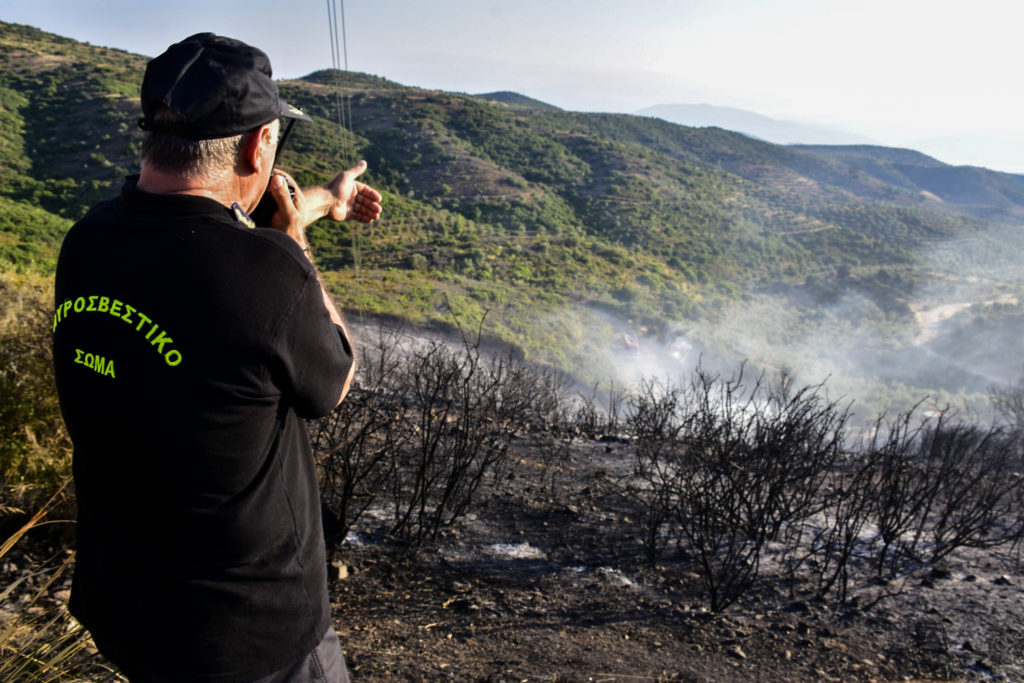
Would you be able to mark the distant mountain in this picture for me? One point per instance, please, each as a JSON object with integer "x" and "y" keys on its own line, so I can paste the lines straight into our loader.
{"x": 752, "y": 124}
{"x": 514, "y": 99}
{"x": 976, "y": 190}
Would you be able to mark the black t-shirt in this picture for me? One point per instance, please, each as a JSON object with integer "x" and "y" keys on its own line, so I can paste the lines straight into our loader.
{"x": 188, "y": 348}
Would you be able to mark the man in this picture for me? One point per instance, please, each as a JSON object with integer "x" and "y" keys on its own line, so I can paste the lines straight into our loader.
{"x": 188, "y": 346}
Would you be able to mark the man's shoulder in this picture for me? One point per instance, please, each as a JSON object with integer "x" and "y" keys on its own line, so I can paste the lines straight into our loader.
{"x": 101, "y": 211}
{"x": 104, "y": 213}
{"x": 285, "y": 246}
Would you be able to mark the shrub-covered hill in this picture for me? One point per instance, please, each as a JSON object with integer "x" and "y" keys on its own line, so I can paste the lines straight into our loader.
{"x": 548, "y": 219}
{"x": 67, "y": 112}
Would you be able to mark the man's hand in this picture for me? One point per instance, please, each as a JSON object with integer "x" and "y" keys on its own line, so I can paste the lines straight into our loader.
{"x": 351, "y": 198}
{"x": 290, "y": 216}
{"x": 342, "y": 199}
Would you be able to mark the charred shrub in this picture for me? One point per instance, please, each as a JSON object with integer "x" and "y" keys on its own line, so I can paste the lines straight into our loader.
{"x": 978, "y": 483}
{"x": 899, "y": 489}
{"x": 463, "y": 412}
{"x": 722, "y": 469}
{"x": 425, "y": 425}
{"x": 824, "y": 548}
{"x": 941, "y": 486}
{"x": 596, "y": 416}
{"x": 550, "y": 420}
{"x": 912, "y": 493}
{"x": 355, "y": 444}
{"x": 656, "y": 425}
{"x": 1008, "y": 403}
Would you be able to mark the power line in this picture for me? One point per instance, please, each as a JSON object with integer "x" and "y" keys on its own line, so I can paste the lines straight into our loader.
{"x": 343, "y": 110}
{"x": 339, "y": 63}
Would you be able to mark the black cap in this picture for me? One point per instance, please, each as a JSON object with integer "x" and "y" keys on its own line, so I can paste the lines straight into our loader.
{"x": 216, "y": 86}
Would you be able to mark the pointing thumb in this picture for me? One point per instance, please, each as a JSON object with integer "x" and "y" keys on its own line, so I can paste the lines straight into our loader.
{"x": 356, "y": 170}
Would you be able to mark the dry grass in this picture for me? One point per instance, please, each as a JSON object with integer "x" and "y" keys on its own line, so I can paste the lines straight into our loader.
{"x": 39, "y": 639}
{"x": 35, "y": 451}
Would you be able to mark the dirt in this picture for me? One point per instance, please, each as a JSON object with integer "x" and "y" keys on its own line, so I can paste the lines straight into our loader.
{"x": 929, "y": 320}
{"x": 546, "y": 581}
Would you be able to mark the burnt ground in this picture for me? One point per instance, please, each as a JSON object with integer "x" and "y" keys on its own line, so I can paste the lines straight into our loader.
{"x": 546, "y": 581}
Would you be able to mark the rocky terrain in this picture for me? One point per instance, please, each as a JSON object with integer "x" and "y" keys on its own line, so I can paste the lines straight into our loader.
{"x": 546, "y": 582}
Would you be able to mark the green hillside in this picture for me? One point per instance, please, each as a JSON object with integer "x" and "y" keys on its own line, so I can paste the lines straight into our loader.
{"x": 565, "y": 227}
{"x": 67, "y": 115}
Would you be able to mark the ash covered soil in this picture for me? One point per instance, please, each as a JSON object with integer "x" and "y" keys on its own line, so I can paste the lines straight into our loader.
{"x": 546, "y": 581}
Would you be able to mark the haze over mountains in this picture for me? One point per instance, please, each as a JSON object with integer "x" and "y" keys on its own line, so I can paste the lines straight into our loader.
{"x": 997, "y": 152}
{"x": 1003, "y": 153}
{"x": 754, "y": 124}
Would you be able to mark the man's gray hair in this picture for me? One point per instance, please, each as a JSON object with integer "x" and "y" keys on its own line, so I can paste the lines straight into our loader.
{"x": 189, "y": 158}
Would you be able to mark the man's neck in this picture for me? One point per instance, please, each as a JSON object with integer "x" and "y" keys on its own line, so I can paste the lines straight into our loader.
{"x": 225, "y": 191}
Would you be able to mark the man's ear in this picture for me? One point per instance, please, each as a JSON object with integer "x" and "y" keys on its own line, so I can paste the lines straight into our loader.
{"x": 256, "y": 148}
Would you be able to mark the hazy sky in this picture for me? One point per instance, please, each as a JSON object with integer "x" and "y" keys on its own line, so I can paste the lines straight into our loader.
{"x": 900, "y": 71}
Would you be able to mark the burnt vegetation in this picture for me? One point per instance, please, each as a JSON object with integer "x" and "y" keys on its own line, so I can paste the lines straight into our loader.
{"x": 738, "y": 480}
{"x": 429, "y": 424}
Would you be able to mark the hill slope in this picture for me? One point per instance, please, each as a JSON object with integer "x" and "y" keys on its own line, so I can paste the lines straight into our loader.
{"x": 563, "y": 225}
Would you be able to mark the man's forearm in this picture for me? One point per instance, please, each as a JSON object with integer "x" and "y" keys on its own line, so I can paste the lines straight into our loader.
{"x": 317, "y": 203}
{"x": 339, "y": 320}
